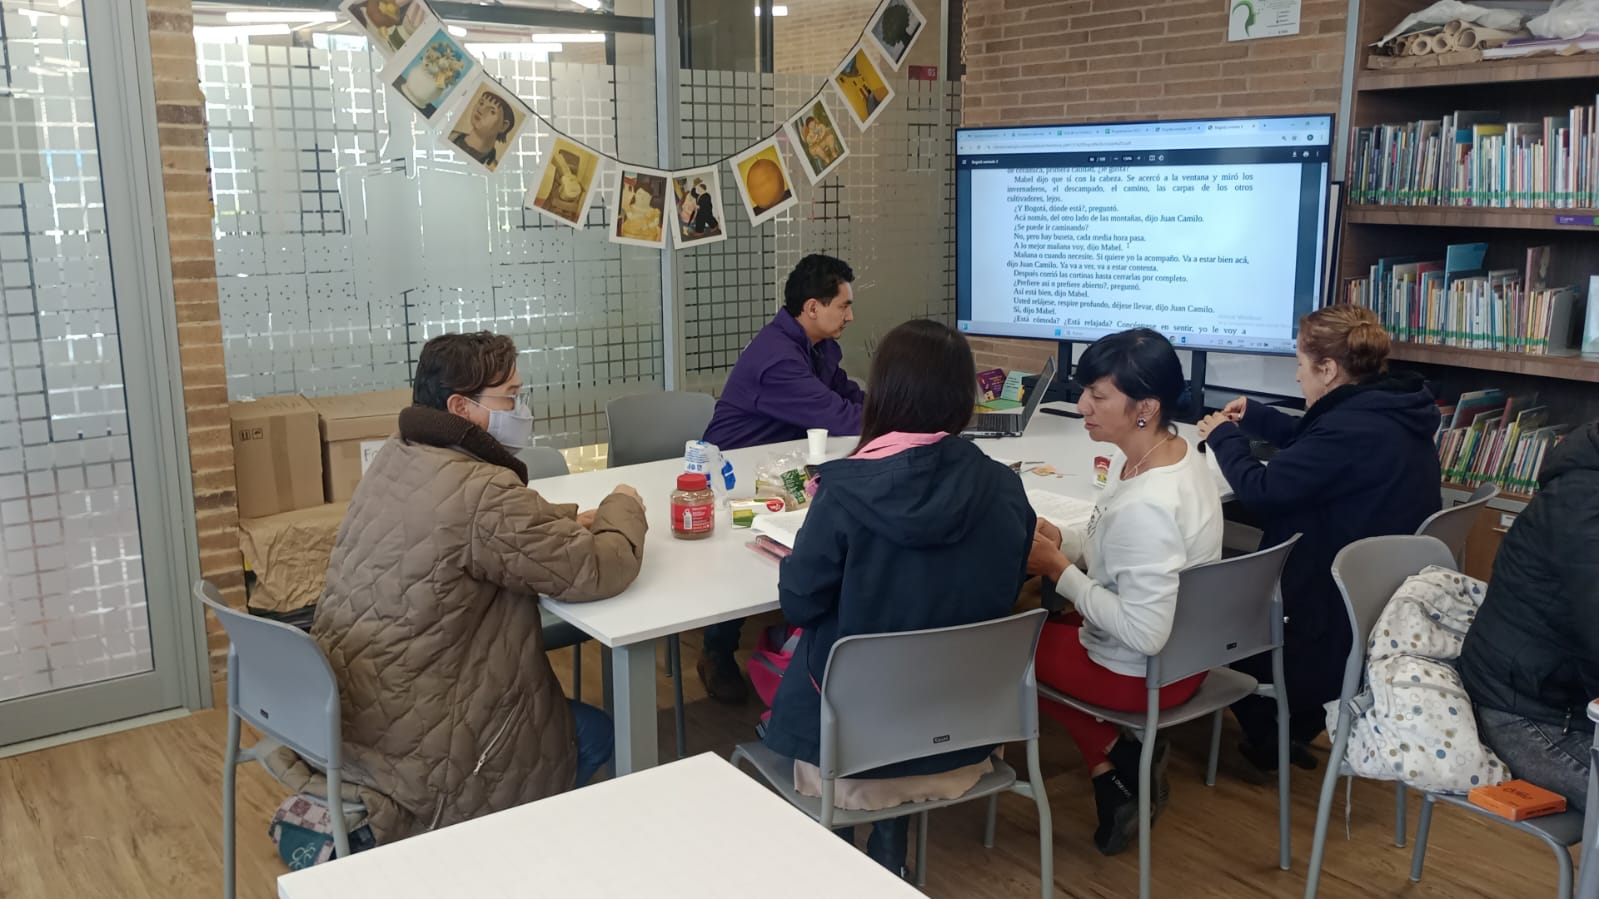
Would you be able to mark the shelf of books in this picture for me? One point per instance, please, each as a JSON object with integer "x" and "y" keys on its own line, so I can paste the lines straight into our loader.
{"x": 1472, "y": 202}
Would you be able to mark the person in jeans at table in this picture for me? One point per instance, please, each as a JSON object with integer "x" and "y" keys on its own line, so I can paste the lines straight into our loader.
{"x": 916, "y": 529}
{"x": 786, "y": 382}
{"x": 1530, "y": 662}
{"x": 430, "y": 617}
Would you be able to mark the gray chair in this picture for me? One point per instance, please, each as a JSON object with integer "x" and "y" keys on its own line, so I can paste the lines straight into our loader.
{"x": 1226, "y": 611}
{"x": 1367, "y": 573}
{"x": 890, "y": 698}
{"x": 1556, "y": 831}
{"x": 1588, "y": 888}
{"x": 543, "y": 462}
{"x": 1452, "y": 526}
{"x": 649, "y": 427}
{"x": 279, "y": 681}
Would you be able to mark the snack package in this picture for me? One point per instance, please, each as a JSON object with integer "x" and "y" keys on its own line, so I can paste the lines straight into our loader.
{"x": 746, "y": 510}
{"x": 786, "y": 477}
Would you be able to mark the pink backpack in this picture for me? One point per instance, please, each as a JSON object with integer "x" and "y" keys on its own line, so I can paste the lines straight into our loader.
{"x": 774, "y": 649}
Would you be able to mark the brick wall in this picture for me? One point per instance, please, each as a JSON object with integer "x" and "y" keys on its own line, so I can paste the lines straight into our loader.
{"x": 180, "y": 114}
{"x": 1042, "y": 61}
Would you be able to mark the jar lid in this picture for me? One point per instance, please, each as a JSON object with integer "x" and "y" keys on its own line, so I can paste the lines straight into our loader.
{"x": 693, "y": 481}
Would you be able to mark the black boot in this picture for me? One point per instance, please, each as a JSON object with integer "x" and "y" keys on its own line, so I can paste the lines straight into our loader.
{"x": 1116, "y": 799}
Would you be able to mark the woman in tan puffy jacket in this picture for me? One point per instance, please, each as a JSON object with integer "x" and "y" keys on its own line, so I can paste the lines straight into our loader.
{"x": 430, "y": 617}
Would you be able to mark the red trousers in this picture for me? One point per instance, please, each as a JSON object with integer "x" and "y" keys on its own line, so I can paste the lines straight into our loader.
{"x": 1063, "y": 664}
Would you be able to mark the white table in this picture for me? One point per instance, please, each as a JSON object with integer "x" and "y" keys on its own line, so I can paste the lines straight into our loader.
{"x": 698, "y": 827}
{"x": 685, "y": 585}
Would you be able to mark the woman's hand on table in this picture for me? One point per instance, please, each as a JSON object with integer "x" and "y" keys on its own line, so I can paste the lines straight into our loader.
{"x": 625, "y": 490}
{"x": 585, "y": 520}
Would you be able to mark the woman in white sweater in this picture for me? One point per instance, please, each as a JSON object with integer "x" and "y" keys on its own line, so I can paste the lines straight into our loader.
{"x": 1160, "y": 513}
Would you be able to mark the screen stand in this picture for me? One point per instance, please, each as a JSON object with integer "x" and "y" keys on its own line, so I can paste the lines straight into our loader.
{"x": 1196, "y": 387}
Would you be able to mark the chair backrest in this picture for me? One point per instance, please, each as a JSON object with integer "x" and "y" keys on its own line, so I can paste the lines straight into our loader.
{"x": 888, "y": 698}
{"x": 279, "y": 681}
{"x": 646, "y": 427}
{"x": 1226, "y": 611}
{"x": 1453, "y": 525}
{"x": 1367, "y": 573}
{"x": 543, "y": 462}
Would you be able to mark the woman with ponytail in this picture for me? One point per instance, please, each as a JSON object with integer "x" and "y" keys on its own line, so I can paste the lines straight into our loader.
{"x": 1359, "y": 463}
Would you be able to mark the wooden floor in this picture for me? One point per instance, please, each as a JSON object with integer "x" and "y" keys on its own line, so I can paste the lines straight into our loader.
{"x": 136, "y": 815}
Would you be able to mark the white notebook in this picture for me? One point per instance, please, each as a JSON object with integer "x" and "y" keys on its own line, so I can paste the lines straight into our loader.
{"x": 780, "y": 526}
{"x": 1063, "y": 511}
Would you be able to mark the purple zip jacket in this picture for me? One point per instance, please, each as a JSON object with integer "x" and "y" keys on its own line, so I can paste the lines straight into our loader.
{"x": 781, "y": 387}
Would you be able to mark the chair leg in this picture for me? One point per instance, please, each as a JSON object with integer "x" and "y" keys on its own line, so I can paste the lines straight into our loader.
{"x": 990, "y": 820}
{"x": 1279, "y": 691}
{"x": 1400, "y": 808}
{"x": 1215, "y": 749}
{"x": 230, "y": 767}
{"x": 577, "y": 672}
{"x": 921, "y": 851}
{"x": 1329, "y": 784}
{"x": 674, "y": 665}
{"x": 1146, "y": 785}
{"x": 1046, "y": 835}
{"x": 1418, "y": 855}
{"x": 607, "y": 689}
{"x": 1563, "y": 860}
{"x": 341, "y": 832}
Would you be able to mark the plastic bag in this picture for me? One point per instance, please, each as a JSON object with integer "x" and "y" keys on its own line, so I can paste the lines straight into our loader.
{"x": 788, "y": 477}
{"x": 1566, "y": 19}
{"x": 1446, "y": 11}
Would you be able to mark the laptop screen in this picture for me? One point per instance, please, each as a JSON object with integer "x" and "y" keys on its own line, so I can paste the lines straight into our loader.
{"x": 1039, "y": 389}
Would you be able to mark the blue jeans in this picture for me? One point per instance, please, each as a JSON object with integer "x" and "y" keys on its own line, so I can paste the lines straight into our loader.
{"x": 596, "y": 740}
{"x": 1545, "y": 754}
{"x": 722, "y": 637}
{"x": 888, "y": 844}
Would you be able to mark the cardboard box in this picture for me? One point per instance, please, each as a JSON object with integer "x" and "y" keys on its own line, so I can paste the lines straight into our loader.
{"x": 289, "y": 554}
{"x": 277, "y": 456}
{"x": 354, "y": 428}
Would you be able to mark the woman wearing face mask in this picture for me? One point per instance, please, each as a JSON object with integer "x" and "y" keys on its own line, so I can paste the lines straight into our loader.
{"x": 1360, "y": 463}
{"x": 1160, "y": 513}
{"x": 430, "y": 617}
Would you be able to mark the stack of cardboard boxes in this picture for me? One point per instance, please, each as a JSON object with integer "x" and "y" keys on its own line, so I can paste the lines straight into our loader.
{"x": 296, "y": 463}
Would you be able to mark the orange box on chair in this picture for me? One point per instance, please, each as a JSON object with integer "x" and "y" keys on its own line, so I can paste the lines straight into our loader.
{"x": 1517, "y": 800}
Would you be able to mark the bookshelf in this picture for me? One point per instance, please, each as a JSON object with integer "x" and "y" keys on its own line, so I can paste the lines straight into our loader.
{"x": 1524, "y": 90}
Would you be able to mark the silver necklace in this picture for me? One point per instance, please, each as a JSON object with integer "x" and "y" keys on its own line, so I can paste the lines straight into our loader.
{"x": 1139, "y": 465}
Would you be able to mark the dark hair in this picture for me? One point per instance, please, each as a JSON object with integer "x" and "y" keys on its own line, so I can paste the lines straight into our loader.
{"x": 1348, "y": 334}
{"x": 467, "y": 364}
{"x": 896, "y": 24}
{"x": 507, "y": 116}
{"x": 1141, "y": 363}
{"x": 817, "y": 277}
{"x": 922, "y": 381}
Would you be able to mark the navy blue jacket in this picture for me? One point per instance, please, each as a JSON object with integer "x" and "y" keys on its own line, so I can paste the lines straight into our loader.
{"x": 1360, "y": 463}
{"x": 1534, "y": 648}
{"x": 934, "y": 536}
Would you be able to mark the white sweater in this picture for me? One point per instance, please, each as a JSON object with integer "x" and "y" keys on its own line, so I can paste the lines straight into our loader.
{"x": 1142, "y": 534}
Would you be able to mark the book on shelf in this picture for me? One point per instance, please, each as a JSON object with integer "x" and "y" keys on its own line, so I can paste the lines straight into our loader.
{"x": 1486, "y": 437}
{"x": 1476, "y": 158}
{"x": 1457, "y": 302}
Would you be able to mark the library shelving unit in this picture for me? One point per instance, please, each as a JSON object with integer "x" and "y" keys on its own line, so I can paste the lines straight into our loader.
{"x": 1525, "y": 90}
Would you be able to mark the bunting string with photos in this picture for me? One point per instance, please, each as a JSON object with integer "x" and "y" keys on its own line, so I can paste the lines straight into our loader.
{"x": 480, "y": 119}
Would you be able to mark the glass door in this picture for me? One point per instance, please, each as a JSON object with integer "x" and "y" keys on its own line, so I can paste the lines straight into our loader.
{"x": 90, "y": 599}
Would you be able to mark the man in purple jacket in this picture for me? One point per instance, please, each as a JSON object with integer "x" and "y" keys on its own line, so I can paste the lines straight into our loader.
{"x": 787, "y": 381}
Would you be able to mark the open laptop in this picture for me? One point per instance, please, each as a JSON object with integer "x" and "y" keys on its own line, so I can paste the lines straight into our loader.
{"x": 1013, "y": 423}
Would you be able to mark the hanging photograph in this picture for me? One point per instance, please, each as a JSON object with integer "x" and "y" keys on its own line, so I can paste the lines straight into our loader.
{"x": 861, "y": 86}
{"x": 762, "y": 181}
{"x": 638, "y": 207}
{"x": 895, "y": 29}
{"x": 566, "y": 185}
{"x": 815, "y": 140}
{"x": 697, "y": 201}
{"x": 389, "y": 23}
{"x": 428, "y": 72}
{"x": 487, "y": 124}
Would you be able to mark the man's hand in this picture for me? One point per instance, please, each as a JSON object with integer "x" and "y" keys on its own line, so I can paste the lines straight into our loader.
{"x": 1047, "y": 531}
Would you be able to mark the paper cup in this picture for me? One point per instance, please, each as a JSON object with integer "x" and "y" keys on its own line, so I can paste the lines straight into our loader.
{"x": 816, "y": 439}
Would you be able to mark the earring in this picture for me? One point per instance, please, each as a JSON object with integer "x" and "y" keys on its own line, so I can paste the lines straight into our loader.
{"x": 1142, "y": 423}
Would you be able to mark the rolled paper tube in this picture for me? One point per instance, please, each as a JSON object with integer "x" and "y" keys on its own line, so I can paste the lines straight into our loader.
{"x": 1473, "y": 37}
{"x": 1454, "y": 27}
{"x": 1401, "y": 45}
{"x": 1444, "y": 43}
{"x": 1420, "y": 45}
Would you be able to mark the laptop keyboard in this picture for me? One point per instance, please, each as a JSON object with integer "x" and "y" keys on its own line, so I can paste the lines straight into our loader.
{"x": 996, "y": 422}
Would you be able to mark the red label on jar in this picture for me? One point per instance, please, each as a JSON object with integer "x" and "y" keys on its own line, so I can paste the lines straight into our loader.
{"x": 693, "y": 519}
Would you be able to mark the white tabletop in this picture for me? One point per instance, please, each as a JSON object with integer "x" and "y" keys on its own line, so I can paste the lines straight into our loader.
{"x": 698, "y": 827}
{"x": 686, "y": 584}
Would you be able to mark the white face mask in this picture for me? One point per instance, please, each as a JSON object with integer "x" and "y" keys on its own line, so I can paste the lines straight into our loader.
{"x": 513, "y": 429}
